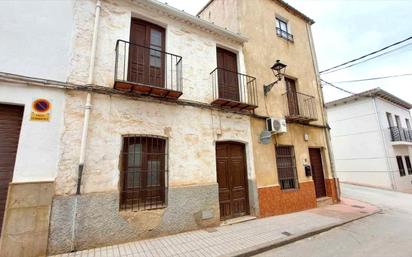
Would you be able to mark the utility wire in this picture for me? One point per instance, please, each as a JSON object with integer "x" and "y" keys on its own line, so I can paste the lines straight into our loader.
{"x": 341, "y": 89}
{"x": 369, "y": 54}
{"x": 374, "y": 57}
{"x": 375, "y": 78}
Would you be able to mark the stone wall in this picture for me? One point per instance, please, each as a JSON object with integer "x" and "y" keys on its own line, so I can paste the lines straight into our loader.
{"x": 26, "y": 219}
{"x": 196, "y": 47}
{"x": 191, "y": 134}
{"x": 99, "y": 222}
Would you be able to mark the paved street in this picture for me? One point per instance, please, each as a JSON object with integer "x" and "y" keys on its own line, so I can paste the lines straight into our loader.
{"x": 388, "y": 233}
{"x": 240, "y": 238}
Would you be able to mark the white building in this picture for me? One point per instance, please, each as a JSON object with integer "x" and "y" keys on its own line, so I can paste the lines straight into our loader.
{"x": 372, "y": 140}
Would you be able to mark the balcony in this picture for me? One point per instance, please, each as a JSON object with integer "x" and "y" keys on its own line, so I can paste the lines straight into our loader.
{"x": 299, "y": 107}
{"x": 147, "y": 71}
{"x": 233, "y": 90}
{"x": 401, "y": 135}
{"x": 284, "y": 34}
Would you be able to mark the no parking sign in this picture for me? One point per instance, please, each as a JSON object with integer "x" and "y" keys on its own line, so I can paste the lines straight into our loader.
{"x": 40, "y": 110}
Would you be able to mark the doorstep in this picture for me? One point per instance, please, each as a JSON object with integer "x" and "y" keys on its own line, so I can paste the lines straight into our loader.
{"x": 242, "y": 239}
{"x": 237, "y": 220}
{"x": 324, "y": 201}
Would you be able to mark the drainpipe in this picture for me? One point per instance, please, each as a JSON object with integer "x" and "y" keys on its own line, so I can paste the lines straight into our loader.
{"x": 87, "y": 110}
{"x": 324, "y": 115}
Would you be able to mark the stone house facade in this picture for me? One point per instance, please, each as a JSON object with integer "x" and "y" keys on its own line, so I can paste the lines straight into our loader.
{"x": 277, "y": 31}
{"x": 152, "y": 123}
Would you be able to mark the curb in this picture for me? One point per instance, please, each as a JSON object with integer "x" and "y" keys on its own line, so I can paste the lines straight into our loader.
{"x": 254, "y": 250}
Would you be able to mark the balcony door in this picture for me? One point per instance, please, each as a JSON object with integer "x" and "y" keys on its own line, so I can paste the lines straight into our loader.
{"x": 227, "y": 75}
{"x": 292, "y": 97}
{"x": 146, "y": 53}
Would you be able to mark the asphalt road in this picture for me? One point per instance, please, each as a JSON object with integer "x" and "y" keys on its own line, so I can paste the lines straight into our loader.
{"x": 386, "y": 234}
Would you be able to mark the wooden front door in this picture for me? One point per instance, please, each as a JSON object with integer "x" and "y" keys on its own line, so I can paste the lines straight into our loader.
{"x": 232, "y": 179}
{"x": 10, "y": 124}
{"x": 317, "y": 172}
{"x": 146, "y": 54}
{"x": 227, "y": 75}
{"x": 292, "y": 95}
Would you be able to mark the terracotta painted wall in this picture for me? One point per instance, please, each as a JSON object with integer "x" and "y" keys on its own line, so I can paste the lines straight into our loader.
{"x": 274, "y": 201}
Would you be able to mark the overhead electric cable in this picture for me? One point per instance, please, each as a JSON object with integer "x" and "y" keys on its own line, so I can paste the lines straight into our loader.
{"x": 374, "y": 57}
{"x": 369, "y": 54}
{"x": 375, "y": 78}
{"x": 341, "y": 89}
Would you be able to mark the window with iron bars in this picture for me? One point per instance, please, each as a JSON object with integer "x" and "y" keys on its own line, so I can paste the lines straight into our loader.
{"x": 144, "y": 173}
{"x": 286, "y": 166}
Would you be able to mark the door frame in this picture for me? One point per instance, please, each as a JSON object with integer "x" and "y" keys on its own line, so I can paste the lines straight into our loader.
{"x": 245, "y": 160}
{"x": 321, "y": 152}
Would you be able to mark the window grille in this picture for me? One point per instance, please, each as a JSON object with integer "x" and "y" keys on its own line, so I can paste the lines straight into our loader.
{"x": 144, "y": 173}
{"x": 286, "y": 166}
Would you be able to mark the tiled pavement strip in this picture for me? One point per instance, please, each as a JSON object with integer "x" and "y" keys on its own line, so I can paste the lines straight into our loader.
{"x": 237, "y": 238}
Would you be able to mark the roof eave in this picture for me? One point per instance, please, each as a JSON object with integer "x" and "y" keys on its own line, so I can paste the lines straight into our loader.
{"x": 237, "y": 37}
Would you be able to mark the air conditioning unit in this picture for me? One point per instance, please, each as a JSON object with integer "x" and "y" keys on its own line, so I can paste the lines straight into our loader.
{"x": 276, "y": 125}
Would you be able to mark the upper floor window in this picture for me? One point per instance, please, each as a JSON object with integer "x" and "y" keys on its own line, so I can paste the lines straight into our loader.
{"x": 408, "y": 124}
{"x": 283, "y": 29}
{"x": 143, "y": 173}
{"x": 286, "y": 166}
{"x": 390, "y": 119}
{"x": 398, "y": 121}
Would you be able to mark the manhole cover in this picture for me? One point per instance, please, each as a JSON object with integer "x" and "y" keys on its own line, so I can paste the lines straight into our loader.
{"x": 286, "y": 233}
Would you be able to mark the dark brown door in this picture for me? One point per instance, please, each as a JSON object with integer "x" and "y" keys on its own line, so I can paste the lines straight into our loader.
{"x": 10, "y": 124}
{"x": 317, "y": 172}
{"x": 227, "y": 75}
{"x": 146, "y": 53}
{"x": 292, "y": 97}
{"x": 232, "y": 179}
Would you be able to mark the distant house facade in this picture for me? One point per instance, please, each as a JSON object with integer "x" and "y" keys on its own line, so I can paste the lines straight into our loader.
{"x": 277, "y": 31}
{"x": 372, "y": 140}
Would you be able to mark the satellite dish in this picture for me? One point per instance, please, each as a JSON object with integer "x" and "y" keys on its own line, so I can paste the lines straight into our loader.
{"x": 265, "y": 137}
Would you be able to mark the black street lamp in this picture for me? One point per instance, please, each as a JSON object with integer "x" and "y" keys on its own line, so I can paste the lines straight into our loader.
{"x": 278, "y": 70}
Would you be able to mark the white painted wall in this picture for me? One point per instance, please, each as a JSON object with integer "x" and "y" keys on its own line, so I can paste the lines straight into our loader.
{"x": 39, "y": 144}
{"x": 403, "y": 183}
{"x": 357, "y": 144}
{"x": 36, "y": 38}
{"x": 197, "y": 48}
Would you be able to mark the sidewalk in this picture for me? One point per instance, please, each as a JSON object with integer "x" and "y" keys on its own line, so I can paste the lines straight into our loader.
{"x": 242, "y": 239}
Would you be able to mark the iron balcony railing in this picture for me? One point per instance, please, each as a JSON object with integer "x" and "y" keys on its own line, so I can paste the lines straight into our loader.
{"x": 147, "y": 66}
{"x": 234, "y": 87}
{"x": 300, "y": 106}
{"x": 400, "y": 134}
{"x": 284, "y": 34}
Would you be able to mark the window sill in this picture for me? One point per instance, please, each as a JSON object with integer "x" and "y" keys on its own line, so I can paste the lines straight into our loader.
{"x": 290, "y": 190}
{"x": 133, "y": 210}
{"x": 286, "y": 38}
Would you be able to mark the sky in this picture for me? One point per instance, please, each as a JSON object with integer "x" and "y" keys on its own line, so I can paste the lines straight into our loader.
{"x": 347, "y": 29}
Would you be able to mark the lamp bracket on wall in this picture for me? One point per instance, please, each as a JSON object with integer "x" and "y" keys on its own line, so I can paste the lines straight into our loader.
{"x": 278, "y": 70}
